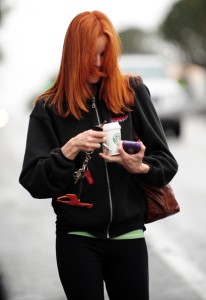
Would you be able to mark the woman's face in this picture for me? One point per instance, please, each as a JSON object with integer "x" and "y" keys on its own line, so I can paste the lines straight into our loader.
{"x": 99, "y": 57}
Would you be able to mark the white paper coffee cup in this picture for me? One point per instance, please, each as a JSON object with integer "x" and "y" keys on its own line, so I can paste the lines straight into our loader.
{"x": 113, "y": 136}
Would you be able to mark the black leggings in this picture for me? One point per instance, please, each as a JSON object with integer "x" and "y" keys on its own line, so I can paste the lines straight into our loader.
{"x": 84, "y": 263}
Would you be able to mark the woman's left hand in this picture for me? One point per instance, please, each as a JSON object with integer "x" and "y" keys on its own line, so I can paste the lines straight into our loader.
{"x": 131, "y": 162}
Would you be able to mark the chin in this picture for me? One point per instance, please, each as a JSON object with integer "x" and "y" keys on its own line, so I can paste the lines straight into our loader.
{"x": 94, "y": 80}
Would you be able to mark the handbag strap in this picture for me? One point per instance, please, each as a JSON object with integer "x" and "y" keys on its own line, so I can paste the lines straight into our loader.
{"x": 134, "y": 81}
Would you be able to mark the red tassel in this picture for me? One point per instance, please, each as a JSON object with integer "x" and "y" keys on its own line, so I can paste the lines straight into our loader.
{"x": 88, "y": 176}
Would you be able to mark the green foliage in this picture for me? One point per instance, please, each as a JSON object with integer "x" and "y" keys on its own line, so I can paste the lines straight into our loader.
{"x": 134, "y": 40}
{"x": 3, "y": 11}
{"x": 185, "y": 25}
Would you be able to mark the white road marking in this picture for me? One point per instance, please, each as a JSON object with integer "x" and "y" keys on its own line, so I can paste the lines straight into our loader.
{"x": 179, "y": 261}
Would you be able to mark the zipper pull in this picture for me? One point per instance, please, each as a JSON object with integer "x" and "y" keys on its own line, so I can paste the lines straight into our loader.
{"x": 93, "y": 102}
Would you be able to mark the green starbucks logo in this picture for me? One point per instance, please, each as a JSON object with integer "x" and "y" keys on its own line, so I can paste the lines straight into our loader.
{"x": 116, "y": 138}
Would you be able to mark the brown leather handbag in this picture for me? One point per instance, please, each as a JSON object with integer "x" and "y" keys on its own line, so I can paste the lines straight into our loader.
{"x": 160, "y": 202}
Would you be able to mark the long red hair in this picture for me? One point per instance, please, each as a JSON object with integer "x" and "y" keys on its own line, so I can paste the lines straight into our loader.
{"x": 71, "y": 90}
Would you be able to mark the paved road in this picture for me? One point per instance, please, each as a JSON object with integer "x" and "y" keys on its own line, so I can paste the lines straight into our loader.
{"x": 176, "y": 246}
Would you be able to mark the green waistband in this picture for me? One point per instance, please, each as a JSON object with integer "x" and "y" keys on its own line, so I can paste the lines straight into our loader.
{"x": 135, "y": 234}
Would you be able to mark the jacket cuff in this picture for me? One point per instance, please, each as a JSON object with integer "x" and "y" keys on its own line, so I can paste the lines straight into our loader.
{"x": 62, "y": 156}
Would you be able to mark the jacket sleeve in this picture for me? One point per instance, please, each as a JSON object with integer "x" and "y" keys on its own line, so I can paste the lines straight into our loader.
{"x": 147, "y": 125}
{"x": 46, "y": 172}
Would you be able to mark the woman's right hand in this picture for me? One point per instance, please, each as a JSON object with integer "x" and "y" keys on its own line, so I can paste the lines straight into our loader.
{"x": 86, "y": 141}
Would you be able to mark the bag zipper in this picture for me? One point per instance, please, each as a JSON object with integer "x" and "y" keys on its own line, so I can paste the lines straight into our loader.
{"x": 106, "y": 169}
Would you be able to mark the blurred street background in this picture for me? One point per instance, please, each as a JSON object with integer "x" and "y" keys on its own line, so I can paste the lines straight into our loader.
{"x": 31, "y": 38}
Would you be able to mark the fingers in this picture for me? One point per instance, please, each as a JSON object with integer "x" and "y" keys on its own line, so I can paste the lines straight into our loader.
{"x": 125, "y": 154}
{"x": 131, "y": 162}
{"x": 110, "y": 158}
{"x": 100, "y": 135}
{"x": 90, "y": 140}
{"x": 86, "y": 141}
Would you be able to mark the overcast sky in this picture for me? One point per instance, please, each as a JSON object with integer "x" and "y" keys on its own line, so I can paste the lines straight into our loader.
{"x": 30, "y": 24}
{"x": 143, "y": 13}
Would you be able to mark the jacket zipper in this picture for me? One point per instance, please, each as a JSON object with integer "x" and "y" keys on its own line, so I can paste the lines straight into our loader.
{"x": 106, "y": 169}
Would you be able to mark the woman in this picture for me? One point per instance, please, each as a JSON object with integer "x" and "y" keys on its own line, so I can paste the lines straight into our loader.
{"x": 99, "y": 205}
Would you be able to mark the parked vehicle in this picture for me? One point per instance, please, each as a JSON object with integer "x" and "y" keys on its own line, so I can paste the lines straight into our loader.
{"x": 168, "y": 96}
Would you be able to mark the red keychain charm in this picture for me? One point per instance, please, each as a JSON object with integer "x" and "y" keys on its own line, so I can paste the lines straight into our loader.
{"x": 88, "y": 176}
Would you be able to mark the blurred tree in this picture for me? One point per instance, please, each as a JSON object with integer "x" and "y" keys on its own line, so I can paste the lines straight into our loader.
{"x": 185, "y": 25}
{"x": 3, "y": 11}
{"x": 135, "y": 40}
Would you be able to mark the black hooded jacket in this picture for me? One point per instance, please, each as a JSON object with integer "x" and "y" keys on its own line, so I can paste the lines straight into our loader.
{"x": 118, "y": 201}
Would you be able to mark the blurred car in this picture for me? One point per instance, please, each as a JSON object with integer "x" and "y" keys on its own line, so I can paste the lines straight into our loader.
{"x": 167, "y": 95}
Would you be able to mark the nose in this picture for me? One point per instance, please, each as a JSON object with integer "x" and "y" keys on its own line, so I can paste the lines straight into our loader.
{"x": 97, "y": 62}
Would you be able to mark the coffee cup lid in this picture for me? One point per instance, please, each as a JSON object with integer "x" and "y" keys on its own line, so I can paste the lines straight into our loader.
{"x": 111, "y": 126}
